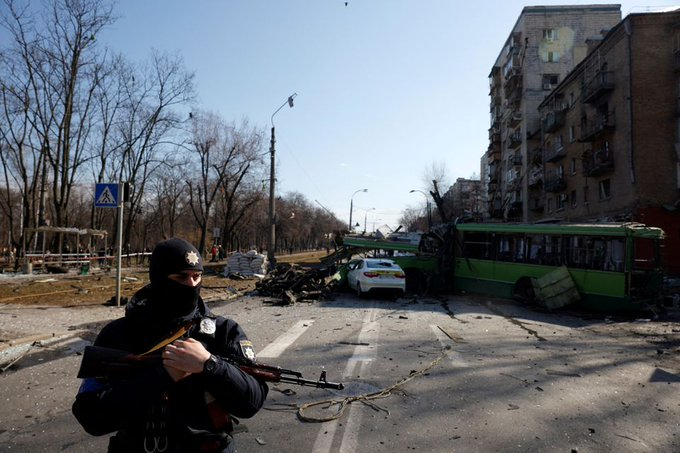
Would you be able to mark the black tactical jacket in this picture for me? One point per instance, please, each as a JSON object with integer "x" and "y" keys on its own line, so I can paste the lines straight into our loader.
{"x": 152, "y": 413}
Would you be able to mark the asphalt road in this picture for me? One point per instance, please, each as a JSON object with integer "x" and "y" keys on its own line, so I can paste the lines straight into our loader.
{"x": 462, "y": 374}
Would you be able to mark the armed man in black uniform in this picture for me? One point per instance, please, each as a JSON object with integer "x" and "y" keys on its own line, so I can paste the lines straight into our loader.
{"x": 187, "y": 401}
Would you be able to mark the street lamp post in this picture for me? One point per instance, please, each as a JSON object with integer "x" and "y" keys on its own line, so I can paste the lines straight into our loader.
{"x": 351, "y": 206}
{"x": 429, "y": 210}
{"x": 272, "y": 188}
{"x": 366, "y": 217}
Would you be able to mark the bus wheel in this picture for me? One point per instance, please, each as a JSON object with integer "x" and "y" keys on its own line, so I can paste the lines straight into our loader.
{"x": 524, "y": 291}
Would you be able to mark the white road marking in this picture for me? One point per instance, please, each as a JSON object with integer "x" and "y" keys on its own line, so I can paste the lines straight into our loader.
{"x": 364, "y": 354}
{"x": 456, "y": 358}
{"x": 276, "y": 347}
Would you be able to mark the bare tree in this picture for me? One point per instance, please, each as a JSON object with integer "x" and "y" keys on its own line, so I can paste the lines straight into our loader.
{"x": 49, "y": 72}
{"x": 150, "y": 125}
{"x": 168, "y": 201}
{"x": 438, "y": 172}
{"x": 413, "y": 219}
{"x": 240, "y": 192}
{"x": 223, "y": 157}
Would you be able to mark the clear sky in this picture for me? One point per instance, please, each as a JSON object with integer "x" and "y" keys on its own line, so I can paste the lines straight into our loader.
{"x": 385, "y": 88}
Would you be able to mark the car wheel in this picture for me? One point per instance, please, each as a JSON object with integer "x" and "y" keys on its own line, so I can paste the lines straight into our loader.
{"x": 359, "y": 292}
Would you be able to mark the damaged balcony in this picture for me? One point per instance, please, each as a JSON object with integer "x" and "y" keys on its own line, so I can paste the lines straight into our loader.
{"x": 600, "y": 84}
{"x": 598, "y": 162}
{"x": 601, "y": 123}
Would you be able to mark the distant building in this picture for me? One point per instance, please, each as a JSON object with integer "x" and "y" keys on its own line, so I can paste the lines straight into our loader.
{"x": 465, "y": 198}
{"x": 610, "y": 135}
{"x": 545, "y": 44}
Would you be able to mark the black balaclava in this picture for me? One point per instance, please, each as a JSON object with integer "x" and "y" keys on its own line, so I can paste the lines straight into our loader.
{"x": 172, "y": 300}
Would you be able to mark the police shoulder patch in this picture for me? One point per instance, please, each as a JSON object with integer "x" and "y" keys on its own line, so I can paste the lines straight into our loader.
{"x": 247, "y": 349}
{"x": 207, "y": 326}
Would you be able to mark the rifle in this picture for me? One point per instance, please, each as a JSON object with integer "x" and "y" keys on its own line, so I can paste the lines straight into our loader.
{"x": 99, "y": 361}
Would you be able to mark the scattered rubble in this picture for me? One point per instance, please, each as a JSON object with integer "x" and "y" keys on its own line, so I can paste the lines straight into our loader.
{"x": 292, "y": 283}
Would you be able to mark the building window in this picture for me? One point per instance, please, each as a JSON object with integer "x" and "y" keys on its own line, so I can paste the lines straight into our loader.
{"x": 572, "y": 134}
{"x": 550, "y": 81}
{"x": 572, "y": 166}
{"x": 561, "y": 201}
{"x": 585, "y": 195}
{"x": 553, "y": 57}
{"x": 560, "y": 171}
{"x": 573, "y": 198}
{"x": 550, "y": 203}
{"x": 605, "y": 189}
{"x": 558, "y": 143}
{"x": 550, "y": 34}
{"x": 572, "y": 99}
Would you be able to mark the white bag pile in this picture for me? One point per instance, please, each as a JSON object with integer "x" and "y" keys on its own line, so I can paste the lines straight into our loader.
{"x": 246, "y": 264}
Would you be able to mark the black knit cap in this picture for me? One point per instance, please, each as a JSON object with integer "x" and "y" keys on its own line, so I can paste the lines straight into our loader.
{"x": 173, "y": 256}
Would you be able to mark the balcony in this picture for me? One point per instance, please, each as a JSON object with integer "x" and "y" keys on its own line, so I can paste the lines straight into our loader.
{"x": 494, "y": 176}
{"x": 494, "y": 135}
{"x": 493, "y": 153}
{"x": 599, "y": 162}
{"x": 601, "y": 84}
{"x": 555, "y": 153}
{"x": 555, "y": 184}
{"x": 496, "y": 118}
{"x": 516, "y": 160}
{"x": 513, "y": 119}
{"x": 554, "y": 120}
{"x": 536, "y": 156}
{"x": 515, "y": 139}
{"x": 601, "y": 123}
{"x": 535, "y": 177}
{"x": 495, "y": 96}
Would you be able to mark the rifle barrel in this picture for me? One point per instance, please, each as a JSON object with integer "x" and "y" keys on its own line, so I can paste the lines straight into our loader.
{"x": 312, "y": 383}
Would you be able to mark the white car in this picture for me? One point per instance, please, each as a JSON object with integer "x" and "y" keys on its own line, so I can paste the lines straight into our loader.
{"x": 376, "y": 274}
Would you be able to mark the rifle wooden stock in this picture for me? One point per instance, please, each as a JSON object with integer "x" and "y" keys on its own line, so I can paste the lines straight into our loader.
{"x": 99, "y": 361}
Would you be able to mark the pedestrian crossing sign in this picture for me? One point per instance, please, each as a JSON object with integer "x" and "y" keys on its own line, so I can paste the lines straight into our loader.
{"x": 106, "y": 195}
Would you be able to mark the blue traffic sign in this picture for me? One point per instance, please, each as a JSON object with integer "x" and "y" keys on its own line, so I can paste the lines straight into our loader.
{"x": 106, "y": 195}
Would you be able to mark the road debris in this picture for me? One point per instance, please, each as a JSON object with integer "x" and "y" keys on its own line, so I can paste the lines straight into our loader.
{"x": 292, "y": 283}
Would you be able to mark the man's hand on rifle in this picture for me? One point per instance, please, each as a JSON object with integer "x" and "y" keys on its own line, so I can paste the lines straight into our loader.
{"x": 184, "y": 357}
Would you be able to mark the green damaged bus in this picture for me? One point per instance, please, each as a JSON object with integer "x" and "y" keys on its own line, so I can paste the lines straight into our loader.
{"x": 614, "y": 266}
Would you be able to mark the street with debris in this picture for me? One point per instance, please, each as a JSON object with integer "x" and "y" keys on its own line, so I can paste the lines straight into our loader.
{"x": 462, "y": 373}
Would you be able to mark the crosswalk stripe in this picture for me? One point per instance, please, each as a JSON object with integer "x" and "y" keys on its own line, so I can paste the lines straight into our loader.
{"x": 276, "y": 347}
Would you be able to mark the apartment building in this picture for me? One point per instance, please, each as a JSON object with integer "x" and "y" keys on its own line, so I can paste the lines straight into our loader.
{"x": 610, "y": 136}
{"x": 465, "y": 197}
{"x": 545, "y": 44}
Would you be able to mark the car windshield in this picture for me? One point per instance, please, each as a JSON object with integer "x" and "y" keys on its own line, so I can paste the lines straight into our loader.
{"x": 379, "y": 264}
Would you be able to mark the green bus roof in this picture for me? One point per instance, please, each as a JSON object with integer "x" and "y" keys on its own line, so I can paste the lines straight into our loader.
{"x": 587, "y": 229}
